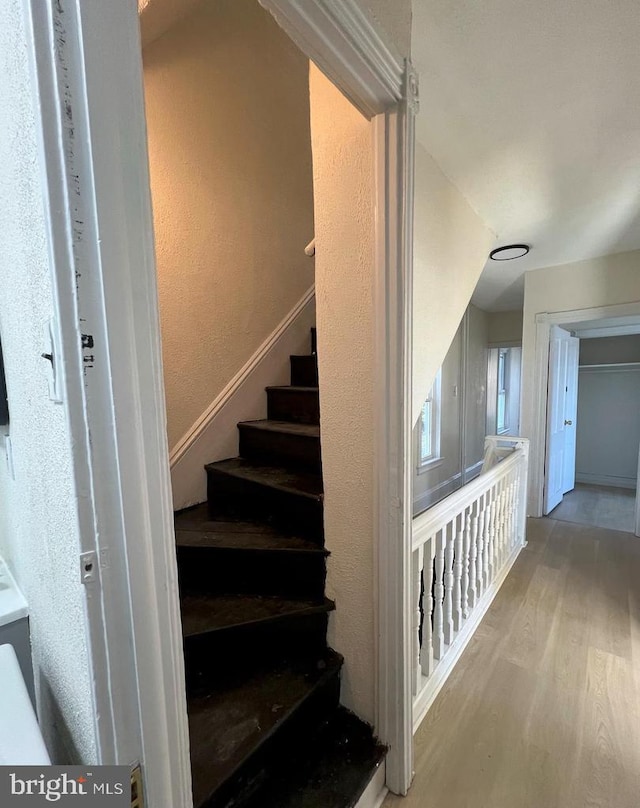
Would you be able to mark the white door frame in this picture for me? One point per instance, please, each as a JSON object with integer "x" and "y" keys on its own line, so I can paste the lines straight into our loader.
{"x": 636, "y": 528}
{"x": 544, "y": 321}
{"x": 88, "y": 96}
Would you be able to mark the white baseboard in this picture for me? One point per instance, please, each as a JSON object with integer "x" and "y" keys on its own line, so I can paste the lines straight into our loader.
{"x": 434, "y": 684}
{"x": 603, "y": 479}
{"x": 214, "y": 436}
{"x": 374, "y": 794}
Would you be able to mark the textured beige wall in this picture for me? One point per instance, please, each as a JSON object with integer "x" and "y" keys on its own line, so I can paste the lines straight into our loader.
{"x": 451, "y": 245}
{"x": 505, "y": 328}
{"x": 38, "y": 524}
{"x": 227, "y": 101}
{"x": 343, "y": 182}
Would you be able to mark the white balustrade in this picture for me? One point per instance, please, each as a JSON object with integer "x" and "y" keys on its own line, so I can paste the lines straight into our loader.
{"x": 463, "y": 547}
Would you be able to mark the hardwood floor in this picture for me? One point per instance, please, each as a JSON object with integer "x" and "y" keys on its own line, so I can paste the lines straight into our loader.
{"x": 543, "y": 709}
{"x": 602, "y": 506}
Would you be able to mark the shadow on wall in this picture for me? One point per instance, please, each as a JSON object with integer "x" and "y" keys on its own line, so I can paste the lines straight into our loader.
{"x": 58, "y": 739}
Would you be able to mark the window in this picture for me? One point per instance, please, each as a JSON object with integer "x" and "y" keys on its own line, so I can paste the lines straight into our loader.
{"x": 502, "y": 420}
{"x": 429, "y": 432}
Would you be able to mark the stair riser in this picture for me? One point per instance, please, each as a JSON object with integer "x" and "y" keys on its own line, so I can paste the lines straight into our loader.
{"x": 290, "y": 737}
{"x": 232, "y": 496}
{"x": 299, "y": 406}
{"x": 223, "y": 654}
{"x": 279, "y": 448}
{"x": 304, "y": 371}
{"x": 277, "y": 572}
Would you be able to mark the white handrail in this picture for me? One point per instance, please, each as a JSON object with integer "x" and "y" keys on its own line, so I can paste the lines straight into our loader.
{"x": 440, "y": 514}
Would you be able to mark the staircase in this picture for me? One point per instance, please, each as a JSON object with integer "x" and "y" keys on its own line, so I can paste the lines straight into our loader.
{"x": 266, "y": 726}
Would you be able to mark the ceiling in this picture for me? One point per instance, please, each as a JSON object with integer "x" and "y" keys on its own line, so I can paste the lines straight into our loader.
{"x": 532, "y": 110}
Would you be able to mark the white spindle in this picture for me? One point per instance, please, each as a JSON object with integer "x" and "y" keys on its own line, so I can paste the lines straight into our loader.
{"x": 486, "y": 571}
{"x": 438, "y": 593}
{"x": 450, "y": 534}
{"x": 426, "y": 652}
{"x": 473, "y": 555}
{"x": 458, "y": 565}
{"x": 466, "y": 561}
{"x": 482, "y": 526}
{"x": 418, "y": 561}
{"x": 502, "y": 490}
{"x": 495, "y": 507}
{"x": 510, "y": 511}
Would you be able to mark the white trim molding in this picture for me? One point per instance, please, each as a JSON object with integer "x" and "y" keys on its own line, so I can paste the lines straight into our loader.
{"x": 214, "y": 436}
{"x": 605, "y": 479}
{"x": 544, "y": 321}
{"x": 198, "y": 428}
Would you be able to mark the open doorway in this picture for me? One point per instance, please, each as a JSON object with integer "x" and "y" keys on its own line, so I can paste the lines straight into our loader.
{"x": 593, "y": 424}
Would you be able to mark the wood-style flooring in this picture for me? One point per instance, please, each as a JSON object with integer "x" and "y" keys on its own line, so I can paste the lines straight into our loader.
{"x": 543, "y": 709}
{"x": 602, "y": 506}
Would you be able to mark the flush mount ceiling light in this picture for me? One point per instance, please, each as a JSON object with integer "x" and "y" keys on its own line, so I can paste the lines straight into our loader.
{"x": 509, "y": 252}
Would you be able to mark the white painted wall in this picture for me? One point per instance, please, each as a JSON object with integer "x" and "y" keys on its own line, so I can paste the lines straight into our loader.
{"x": 227, "y": 99}
{"x": 475, "y": 385}
{"x": 344, "y": 225}
{"x": 608, "y": 428}
{"x": 451, "y": 245}
{"x": 394, "y": 19}
{"x": 605, "y": 281}
{"x": 505, "y": 328}
{"x": 38, "y": 528}
{"x": 610, "y": 350}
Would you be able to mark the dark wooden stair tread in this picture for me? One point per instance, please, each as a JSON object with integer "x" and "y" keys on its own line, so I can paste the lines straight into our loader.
{"x": 196, "y": 529}
{"x": 286, "y": 427}
{"x": 204, "y": 613}
{"x": 229, "y": 723}
{"x": 332, "y": 772}
{"x": 292, "y": 388}
{"x": 300, "y": 483}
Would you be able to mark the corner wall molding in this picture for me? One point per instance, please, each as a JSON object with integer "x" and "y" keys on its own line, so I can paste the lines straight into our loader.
{"x": 198, "y": 428}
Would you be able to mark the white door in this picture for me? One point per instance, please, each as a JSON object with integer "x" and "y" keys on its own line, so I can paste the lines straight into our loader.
{"x": 571, "y": 414}
{"x": 637, "y": 526}
{"x": 561, "y": 417}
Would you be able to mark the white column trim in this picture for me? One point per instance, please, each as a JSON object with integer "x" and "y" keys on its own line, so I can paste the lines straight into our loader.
{"x": 90, "y": 116}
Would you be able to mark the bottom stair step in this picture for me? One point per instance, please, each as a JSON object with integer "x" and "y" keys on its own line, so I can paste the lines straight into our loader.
{"x": 332, "y": 772}
{"x": 246, "y": 725}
